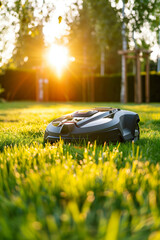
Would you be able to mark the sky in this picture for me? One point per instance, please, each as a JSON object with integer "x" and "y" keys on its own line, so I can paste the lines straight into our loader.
{"x": 54, "y": 30}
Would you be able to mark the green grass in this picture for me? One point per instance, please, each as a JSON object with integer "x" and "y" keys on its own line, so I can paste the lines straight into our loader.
{"x": 67, "y": 191}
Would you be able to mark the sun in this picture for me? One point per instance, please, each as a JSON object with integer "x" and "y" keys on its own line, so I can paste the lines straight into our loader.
{"x": 58, "y": 58}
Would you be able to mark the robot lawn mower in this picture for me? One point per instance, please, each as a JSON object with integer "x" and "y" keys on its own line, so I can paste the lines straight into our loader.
{"x": 100, "y": 124}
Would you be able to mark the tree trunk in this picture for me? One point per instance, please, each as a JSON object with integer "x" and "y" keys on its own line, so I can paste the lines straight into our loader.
{"x": 84, "y": 97}
{"x": 124, "y": 47}
{"x": 158, "y": 63}
{"x": 102, "y": 70}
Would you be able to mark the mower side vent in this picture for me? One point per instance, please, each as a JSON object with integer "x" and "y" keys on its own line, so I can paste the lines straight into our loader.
{"x": 67, "y": 128}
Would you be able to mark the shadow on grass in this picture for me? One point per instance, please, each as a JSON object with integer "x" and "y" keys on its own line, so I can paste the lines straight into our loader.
{"x": 155, "y": 125}
{"x": 27, "y": 138}
{"x": 150, "y": 148}
{"x": 9, "y": 121}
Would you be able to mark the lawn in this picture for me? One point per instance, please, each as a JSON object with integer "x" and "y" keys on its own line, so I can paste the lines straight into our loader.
{"x": 67, "y": 191}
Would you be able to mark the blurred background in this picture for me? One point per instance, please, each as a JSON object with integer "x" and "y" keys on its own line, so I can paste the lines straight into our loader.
{"x": 68, "y": 50}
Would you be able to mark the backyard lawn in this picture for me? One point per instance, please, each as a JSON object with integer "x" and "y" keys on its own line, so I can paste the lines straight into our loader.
{"x": 71, "y": 191}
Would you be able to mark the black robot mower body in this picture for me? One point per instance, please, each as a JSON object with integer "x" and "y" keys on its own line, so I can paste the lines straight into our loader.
{"x": 100, "y": 124}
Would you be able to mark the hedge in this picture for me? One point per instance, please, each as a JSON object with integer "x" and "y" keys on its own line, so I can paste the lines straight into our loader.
{"x": 21, "y": 85}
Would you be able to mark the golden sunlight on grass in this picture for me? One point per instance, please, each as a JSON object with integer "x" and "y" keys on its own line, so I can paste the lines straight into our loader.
{"x": 89, "y": 190}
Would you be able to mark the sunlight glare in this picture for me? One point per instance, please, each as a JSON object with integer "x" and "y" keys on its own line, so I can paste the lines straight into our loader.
{"x": 58, "y": 58}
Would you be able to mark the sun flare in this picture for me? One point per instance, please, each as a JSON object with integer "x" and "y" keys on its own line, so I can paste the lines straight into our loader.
{"x": 58, "y": 58}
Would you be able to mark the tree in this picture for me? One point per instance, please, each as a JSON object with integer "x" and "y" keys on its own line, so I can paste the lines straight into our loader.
{"x": 139, "y": 12}
{"x": 96, "y": 28}
{"x": 81, "y": 36}
{"x": 29, "y": 49}
{"x": 106, "y": 24}
{"x": 28, "y": 18}
{"x": 82, "y": 44}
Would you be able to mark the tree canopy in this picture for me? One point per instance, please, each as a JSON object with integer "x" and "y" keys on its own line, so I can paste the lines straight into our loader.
{"x": 138, "y": 13}
{"x": 96, "y": 27}
{"x": 27, "y": 19}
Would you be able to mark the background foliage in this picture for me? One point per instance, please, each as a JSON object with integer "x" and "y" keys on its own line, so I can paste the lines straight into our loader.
{"x": 95, "y": 29}
{"x": 26, "y": 19}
